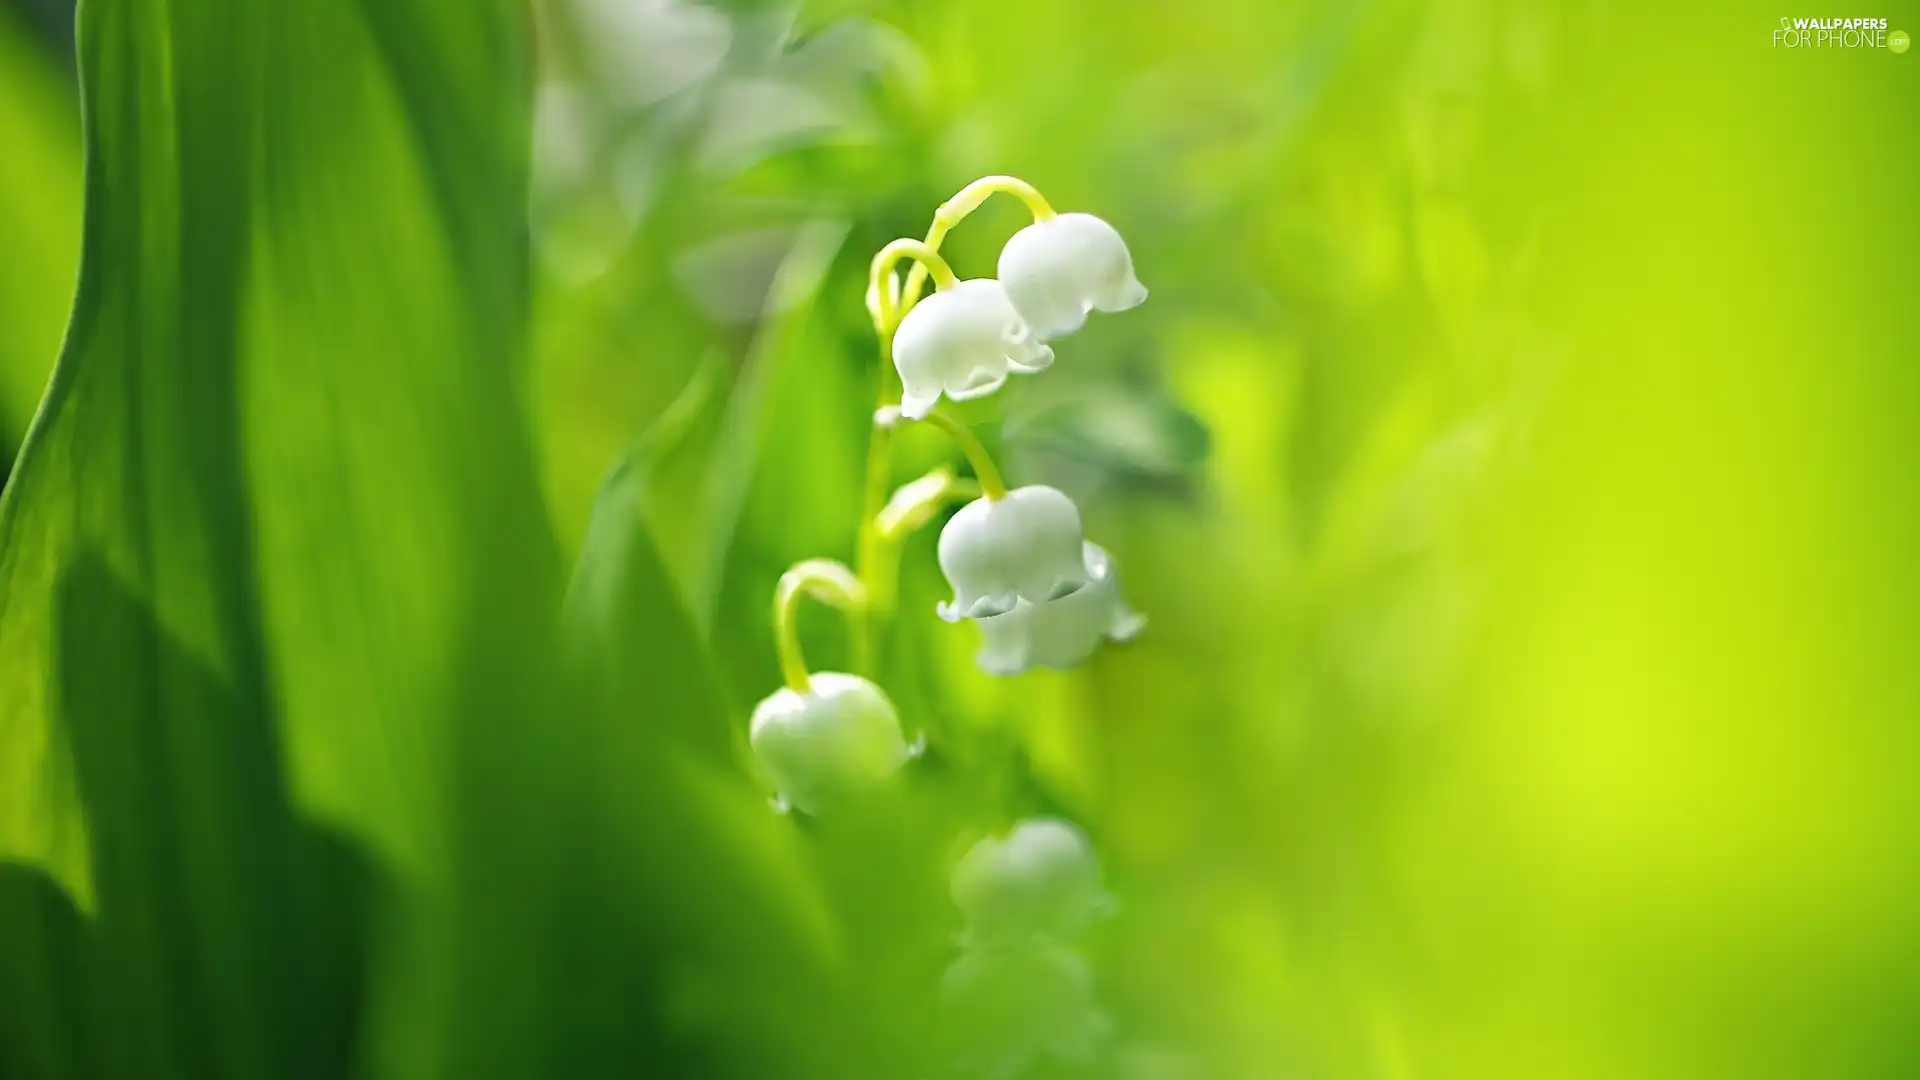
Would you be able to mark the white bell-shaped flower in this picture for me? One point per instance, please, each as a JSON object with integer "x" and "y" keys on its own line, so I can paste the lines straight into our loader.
{"x": 962, "y": 341}
{"x": 996, "y": 552}
{"x": 839, "y": 739}
{"x": 1002, "y": 1009}
{"x": 1060, "y": 633}
{"x": 1039, "y": 881}
{"x": 1057, "y": 270}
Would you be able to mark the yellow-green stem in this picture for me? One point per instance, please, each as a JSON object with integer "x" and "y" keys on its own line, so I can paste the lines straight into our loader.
{"x": 908, "y": 509}
{"x": 925, "y": 258}
{"x": 867, "y": 554}
{"x": 964, "y": 202}
{"x": 991, "y": 485}
{"x": 914, "y": 504}
{"x": 825, "y": 580}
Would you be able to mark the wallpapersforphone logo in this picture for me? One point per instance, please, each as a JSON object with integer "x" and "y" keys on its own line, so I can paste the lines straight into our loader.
{"x": 1839, "y": 34}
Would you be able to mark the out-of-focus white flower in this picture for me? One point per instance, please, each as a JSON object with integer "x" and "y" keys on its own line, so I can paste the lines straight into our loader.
{"x": 996, "y": 552}
{"x": 962, "y": 341}
{"x": 1060, "y": 633}
{"x": 1041, "y": 881}
{"x": 1056, "y": 270}
{"x": 640, "y": 51}
{"x": 1002, "y": 1008}
{"x": 840, "y": 738}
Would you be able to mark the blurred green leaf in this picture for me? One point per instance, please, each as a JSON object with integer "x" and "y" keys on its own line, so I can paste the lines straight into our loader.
{"x": 209, "y": 890}
{"x": 773, "y": 392}
{"x": 39, "y": 223}
{"x": 285, "y": 415}
{"x": 1123, "y": 431}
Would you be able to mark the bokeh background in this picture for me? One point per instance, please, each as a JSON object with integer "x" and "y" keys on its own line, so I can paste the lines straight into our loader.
{"x": 1517, "y": 461}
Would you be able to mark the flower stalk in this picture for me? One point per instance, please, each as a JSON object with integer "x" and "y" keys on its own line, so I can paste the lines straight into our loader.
{"x": 926, "y": 259}
{"x": 824, "y": 580}
{"x": 889, "y": 303}
{"x": 965, "y": 201}
{"x": 1019, "y": 563}
{"x": 915, "y": 503}
{"x": 870, "y": 547}
{"x": 991, "y": 484}
{"x": 964, "y": 345}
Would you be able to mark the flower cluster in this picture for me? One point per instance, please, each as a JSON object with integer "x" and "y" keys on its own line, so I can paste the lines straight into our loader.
{"x": 1021, "y": 569}
{"x": 965, "y": 338}
{"x": 1019, "y": 562}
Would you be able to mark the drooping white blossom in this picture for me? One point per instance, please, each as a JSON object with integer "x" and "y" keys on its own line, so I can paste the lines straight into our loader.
{"x": 839, "y": 739}
{"x": 1057, "y": 270}
{"x": 962, "y": 342}
{"x": 1060, "y": 633}
{"x": 1026, "y": 545}
{"x": 1039, "y": 882}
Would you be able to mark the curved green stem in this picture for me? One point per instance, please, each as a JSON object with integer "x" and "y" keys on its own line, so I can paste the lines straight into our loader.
{"x": 968, "y": 199}
{"x": 826, "y": 581}
{"x": 991, "y": 485}
{"x": 915, "y": 503}
{"x": 909, "y": 508}
{"x": 964, "y": 202}
{"x": 925, "y": 257}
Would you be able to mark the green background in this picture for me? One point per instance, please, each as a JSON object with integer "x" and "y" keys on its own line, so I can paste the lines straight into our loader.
{"x": 1517, "y": 461}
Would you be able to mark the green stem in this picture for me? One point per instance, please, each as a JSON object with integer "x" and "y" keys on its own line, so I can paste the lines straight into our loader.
{"x": 964, "y": 202}
{"x": 925, "y": 258}
{"x": 868, "y": 552}
{"x": 991, "y": 485}
{"x": 968, "y": 199}
{"x": 826, "y": 581}
{"x": 984, "y": 469}
{"x": 914, "y": 504}
{"x": 911, "y": 507}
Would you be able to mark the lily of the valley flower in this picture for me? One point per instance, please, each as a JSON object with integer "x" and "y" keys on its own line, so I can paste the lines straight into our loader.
{"x": 837, "y": 739}
{"x": 1060, "y": 633}
{"x": 1026, "y": 545}
{"x": 962, "y": 341}
{"x": 1041, "y": 881}
{"x": 1059, "y": 268}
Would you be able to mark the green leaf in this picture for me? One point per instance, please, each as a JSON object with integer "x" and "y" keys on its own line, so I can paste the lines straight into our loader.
{"x": 39, "y": 223}
{"x": 791, "y": 463}
{"x": 1129, "y": 432}
{"x": 631, "y": 664}
{"x": 285, "y": 414}
{"x": 676, "y": 881}
{"x": 775, "y": 389}
{"x": 209, "y": 889}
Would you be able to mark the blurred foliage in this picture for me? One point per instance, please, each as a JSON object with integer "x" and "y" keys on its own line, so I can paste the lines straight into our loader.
{"x": 1514, "y": 461}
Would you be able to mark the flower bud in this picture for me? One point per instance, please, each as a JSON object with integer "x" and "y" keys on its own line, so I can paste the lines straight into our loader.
{"x": 839, "y": 739}
{"x": 1040, "y": 881}
{"x": 1026, "y": 545}
{"x": 1060, "y": 633}
{"x": 1057, "y": 270}
{"x": 962, "y": 342}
